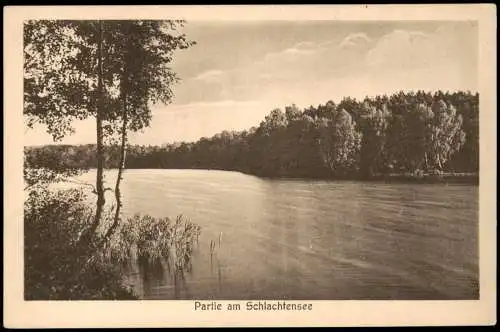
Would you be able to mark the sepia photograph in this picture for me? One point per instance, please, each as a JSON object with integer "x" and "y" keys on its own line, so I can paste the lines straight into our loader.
{"x": 269, "y": 163}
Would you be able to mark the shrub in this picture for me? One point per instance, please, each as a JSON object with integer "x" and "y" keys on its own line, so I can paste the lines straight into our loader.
{"x": 57, "y": 266}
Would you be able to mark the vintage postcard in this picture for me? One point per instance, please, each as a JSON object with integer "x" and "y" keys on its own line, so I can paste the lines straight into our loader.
{"x": 250, "y": 165}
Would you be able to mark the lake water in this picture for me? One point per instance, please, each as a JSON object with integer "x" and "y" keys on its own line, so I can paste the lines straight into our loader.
{"x": 316, "y": 240}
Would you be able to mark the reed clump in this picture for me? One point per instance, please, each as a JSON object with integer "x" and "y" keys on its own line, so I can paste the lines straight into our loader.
{"x": 152, "y": 240}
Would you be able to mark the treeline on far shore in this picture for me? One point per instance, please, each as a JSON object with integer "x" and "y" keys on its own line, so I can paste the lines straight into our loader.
{"x": 406, "y": 134}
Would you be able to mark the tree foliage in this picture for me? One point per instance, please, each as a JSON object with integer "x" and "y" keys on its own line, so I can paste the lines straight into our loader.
{"x": 339, "y": 143}
{"x": 61, "y": 74}
{"x": 112, "y": 71}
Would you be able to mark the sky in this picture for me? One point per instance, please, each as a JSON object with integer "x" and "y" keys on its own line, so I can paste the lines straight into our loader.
{"x": 239, "y": 71}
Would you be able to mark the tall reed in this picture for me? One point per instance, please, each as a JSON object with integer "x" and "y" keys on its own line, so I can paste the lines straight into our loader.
{"x": 153, "y": 240}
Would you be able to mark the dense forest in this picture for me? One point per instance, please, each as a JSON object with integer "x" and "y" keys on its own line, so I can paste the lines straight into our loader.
{"x": 405, "y": 133}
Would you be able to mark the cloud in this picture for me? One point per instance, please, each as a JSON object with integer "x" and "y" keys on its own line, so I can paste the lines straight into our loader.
{"x": 300, "y": 60}
{"x": 409, "y": 49}
{"x": 291, "y": 53}
{"x": 401, "y": 48}
{"x": 354, "y": 39}
{"x": 200, "y": 105}
{"x": 440, "y": 59}
{"x": 210, "y": 75}
{"x": 305, "y": 45}
{"x": 298, "y": 51}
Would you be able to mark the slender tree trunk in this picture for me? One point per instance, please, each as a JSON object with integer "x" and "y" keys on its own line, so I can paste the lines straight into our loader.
{"x": 121, "y": 167}
{"x": 440, "y": 164}
{"x": 123, "y": 146}
{"x": 99, "y": 130}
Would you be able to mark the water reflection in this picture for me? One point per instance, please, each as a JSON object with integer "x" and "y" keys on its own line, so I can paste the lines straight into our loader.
{"x": 215, "y": 266}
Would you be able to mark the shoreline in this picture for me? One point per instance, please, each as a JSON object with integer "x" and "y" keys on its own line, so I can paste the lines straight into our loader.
{"x": 451, "y": 178}
{"x": 446, "y": 178}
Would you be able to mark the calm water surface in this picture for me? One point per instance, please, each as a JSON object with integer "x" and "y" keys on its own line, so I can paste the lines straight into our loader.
{"x": 300, "y": 239}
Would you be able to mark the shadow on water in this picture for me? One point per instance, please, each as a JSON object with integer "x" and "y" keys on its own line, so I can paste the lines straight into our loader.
{"x": 154, "y": 273}
{"x": 161, "y": 278}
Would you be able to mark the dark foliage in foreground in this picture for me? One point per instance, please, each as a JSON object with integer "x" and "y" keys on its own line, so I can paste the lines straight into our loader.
{"x": 59, "y": 266}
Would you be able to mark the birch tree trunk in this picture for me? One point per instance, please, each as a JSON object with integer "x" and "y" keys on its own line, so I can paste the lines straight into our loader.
{"x": 121, "y": 167}
{"x": 99, "y": 131}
